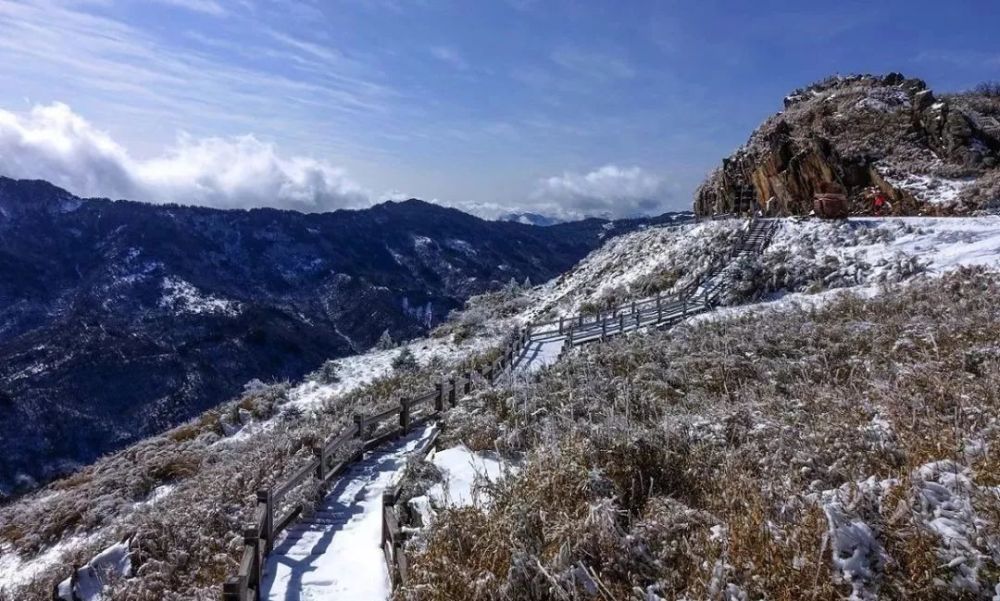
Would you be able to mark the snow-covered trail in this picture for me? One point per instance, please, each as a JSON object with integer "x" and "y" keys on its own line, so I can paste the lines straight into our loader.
{"x": 539, "y": 353}
{"x": 335, "y": 553}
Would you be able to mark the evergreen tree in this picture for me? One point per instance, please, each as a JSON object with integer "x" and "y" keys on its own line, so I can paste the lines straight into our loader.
{"x": 385, "y": 342}
{"x": 405, "y": 361}
{"x": 327, "y": 373}
{"x": 512, "y": 287}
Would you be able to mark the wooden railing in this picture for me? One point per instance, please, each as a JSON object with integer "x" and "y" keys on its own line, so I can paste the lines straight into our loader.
{"x": 659, "y": 311}
{"x": 393, "y": 536}
{"x": 272, "y": 515}
{"x": 412, "y": 411}
{"x": 561, "y": 325}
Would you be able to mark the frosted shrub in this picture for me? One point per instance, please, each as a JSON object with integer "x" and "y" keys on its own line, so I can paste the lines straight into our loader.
{"x": 328, "y": 373}
{"x": 404, "y": 361}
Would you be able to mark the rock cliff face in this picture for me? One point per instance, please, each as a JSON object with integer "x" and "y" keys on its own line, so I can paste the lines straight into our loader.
{"x": 929, "y": 154}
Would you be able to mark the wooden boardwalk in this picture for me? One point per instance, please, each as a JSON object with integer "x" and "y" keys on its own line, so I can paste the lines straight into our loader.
{"x": 289, "y": 557}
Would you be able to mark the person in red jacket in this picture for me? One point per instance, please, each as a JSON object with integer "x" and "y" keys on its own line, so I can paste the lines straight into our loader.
{"x": 881, "y": 204}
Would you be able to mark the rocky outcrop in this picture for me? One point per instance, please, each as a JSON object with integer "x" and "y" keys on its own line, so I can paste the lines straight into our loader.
{"x": 857, "y": 133}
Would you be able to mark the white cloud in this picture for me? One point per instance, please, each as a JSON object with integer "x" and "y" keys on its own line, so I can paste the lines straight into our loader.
{"x": 449, "y": 55}
{"x": 608, "y": 191}
{"x": 209, "y": 7}
{"x": 54, "y": 143}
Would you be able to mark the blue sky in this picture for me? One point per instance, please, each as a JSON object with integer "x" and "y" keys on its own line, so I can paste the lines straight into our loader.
{"x": 569, "y": 108}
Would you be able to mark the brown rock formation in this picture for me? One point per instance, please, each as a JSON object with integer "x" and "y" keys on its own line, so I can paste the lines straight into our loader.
{"x": 861, "y": 132}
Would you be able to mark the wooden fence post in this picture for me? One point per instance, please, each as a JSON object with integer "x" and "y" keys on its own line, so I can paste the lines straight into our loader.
{"x": 571, "y": 336}
{"x": 621, "y": 323}
{"x": 439, "y": 397}
{"x": 264, "y": 497}
{"x": 633, "y": 306}
{"x": 404, "y": 414}
{"x": 359, "y": 424}
{"x": 452, "y": 400}
{"x": 659, "y": 308}
{"x": 320, "y": 453}
{"x": 604, "y": 328}
{"x": 388, "y": 500}
{"x": 250, "y": 539}
{"x": 637, "y": 318}
{"x": 581, "y": 319}
{"x": 231, "y": 590}
{"x": 560, "y": 324}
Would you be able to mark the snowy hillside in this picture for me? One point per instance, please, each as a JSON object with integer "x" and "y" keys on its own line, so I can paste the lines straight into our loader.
{"x": 165, "y": 494}
{"x": 812, "y": 444}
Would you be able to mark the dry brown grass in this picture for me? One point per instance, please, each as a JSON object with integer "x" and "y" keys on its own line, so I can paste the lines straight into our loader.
{"x": 687, "y": 462}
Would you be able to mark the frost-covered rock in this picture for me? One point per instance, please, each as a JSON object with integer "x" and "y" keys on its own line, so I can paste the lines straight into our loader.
{"x": 944, "y": 490}
{"x": 88, "y": 582}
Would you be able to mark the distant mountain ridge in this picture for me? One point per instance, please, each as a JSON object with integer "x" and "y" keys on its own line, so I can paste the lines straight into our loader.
{"x": 531, "y": 219}
{"x": 119, "y": 319}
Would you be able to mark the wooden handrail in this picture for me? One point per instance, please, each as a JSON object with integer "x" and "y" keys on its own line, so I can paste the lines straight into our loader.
{"x": 259, "y": 538}
{"x": 266, "y": 526}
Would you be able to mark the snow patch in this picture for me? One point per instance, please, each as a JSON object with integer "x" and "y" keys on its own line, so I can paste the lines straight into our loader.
{"x": 855, "y": 551}
{"x": 929, "y": 189}
{"x": 109, "y": 565}
{"x": 461, "y": 246}
{"x": 183, "y": 297}
{"x": 16, "y": 571}
{"x": 944, "y": 491}
{"x": 463, "y": 472}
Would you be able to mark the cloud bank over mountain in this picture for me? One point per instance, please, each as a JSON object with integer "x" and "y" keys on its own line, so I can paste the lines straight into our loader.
{"x": 52, "y": 142}
{"x": 609, "y": 191}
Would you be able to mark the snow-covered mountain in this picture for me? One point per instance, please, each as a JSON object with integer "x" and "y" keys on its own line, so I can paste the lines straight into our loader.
{"x": 530, "y": 218}
{"x": 121, "y": 319}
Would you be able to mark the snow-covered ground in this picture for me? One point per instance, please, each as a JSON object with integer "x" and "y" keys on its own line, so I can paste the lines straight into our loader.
{"x": 461, "y": 469}
{"x": 540, "y": 353}
{"x": 939, "y": 244}
{"x": 335, "y": 553}
{"x": 621, "y": 262}
{"x": 17, "y": 571}
{"x": 927, "y": 188}
{"x": 359, "y": 370}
